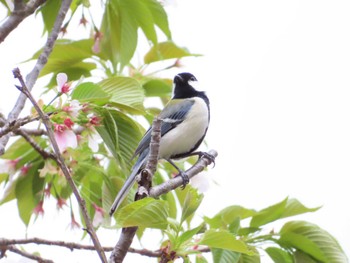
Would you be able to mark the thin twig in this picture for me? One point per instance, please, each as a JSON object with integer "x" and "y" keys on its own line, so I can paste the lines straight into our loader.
{"x": 145, "y": 183}
{"x": 71, "y": 245}
{"x": 60, "y": 161}
{"x": 20, "y": 12}
{"x": 40, "y": 63}
{"x": 41, "y": 151}
{"x": 39, "y": 259}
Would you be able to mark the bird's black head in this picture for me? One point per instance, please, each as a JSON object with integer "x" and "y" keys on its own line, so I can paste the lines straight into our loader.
{"x": 184, "y": 78}
{"x": 183, "y": 86}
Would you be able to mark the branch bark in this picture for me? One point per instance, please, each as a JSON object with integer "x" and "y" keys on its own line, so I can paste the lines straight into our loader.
{"x": 128, "y": 233}
{"x": 20, "y": 12}
{"x": 61, "y": 163}
{"x": 33, "y": 75}
{"x": 14, "y": 249}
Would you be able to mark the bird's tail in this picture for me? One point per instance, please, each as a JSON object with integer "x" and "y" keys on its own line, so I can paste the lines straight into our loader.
{"x": 128, "y": 183}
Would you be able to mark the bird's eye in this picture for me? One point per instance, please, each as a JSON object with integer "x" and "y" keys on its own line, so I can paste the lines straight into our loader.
{"x": 192, "y": 79}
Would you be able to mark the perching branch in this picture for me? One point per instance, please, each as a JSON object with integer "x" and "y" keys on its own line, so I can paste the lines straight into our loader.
{"x": 20, "y": 12}
{"x": 176, "y": 182}
{"x": 40, "y": 63}
{"x": 61, "y": 163}
{"x": 145, "y": 182}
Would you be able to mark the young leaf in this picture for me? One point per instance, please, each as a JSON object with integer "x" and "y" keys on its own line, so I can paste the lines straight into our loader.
{"x": 158, "y": 87}
{"x": 227, "y": 215}
{"x": 192, "y": 201}
{"x": 108, "y": 131}
{"x": 312, "y": 240}
{"x": 279, "y": 255}
{"x": 25, "y": 191}
{"x": 146, "y": 212}
{"x": 269, "y": 214}
{"x": 166, "y": 50}
{"x": 90, "y": 92}
{"x": 224, "y": 240}
{"x": 126, "y": 93}
{"x": 225, "y": 256}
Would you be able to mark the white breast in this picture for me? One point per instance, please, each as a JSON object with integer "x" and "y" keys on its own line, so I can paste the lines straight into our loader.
{"x": 183, "y": 138}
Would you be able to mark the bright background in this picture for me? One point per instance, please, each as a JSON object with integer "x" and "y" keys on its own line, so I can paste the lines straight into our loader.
{"x": 277, "y": 74}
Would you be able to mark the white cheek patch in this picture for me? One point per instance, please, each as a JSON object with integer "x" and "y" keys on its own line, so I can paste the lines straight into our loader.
{"x": 194, "y": 84}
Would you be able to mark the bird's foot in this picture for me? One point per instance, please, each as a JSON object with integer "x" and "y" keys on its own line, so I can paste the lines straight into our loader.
{"x": 185, "y": 179}
{"x": 207, "y": 155}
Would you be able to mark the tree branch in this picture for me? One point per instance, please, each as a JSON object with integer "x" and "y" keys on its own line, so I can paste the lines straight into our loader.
{"x": 42, "y": 152}
{"x": 61, "y": 163}
{"x": 176, "y": 182}
{"x": 33, "y": 75}
{"x": 20, "y": 12}
{"x": 128, "y": 233}
{"x": 14, "y": 249}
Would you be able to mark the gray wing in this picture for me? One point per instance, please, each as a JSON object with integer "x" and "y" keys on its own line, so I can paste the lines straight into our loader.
{"x": 172, "y": 115}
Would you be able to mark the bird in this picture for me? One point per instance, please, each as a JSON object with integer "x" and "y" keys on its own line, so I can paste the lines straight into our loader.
{"x": 184, "y": 124}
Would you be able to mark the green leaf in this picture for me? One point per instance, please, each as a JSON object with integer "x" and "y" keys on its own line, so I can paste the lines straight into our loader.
{"x": 67, "y": 57}
{"x": 26, "y": 190}
{"x": 192, "y": 201}
{"x": 228, "y": 215}
{"x": 126, "y": 93}
{"x": 159, "y": 15}
{"x": 225, "y": 256}
{"x": 301, "y": 257}
{"x": 146, "y": 212}
{"x": 268, "y": 214}
{"x": 312, "y": 240}
{"x": 200, "y": 259}
{"x": 279, "y": 255}
{"x": 49, "y": 11}
{"x": 138, "y": 10}
{"x": 129, "y": 135}
{"x": 90, "y": 92}
{"x": 119, "y": 34}
{"x": 22, "y": 150}
{"x": 224, "y": 240}
{"x": 294, "y": 207}
{"x": 255, "y": 258}
{"x": 286, "y": 208}
{"x": 108, "y": 131}
{"x": 158, "y": 87}
{"x": 10, "y": 192}
{"x": 189, "y": 234}
{"x": 166, "y": 50}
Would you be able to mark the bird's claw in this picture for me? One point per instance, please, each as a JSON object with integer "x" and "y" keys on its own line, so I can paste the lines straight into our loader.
{"x": 185, "y": 179}
{"x": 209, "y": 156}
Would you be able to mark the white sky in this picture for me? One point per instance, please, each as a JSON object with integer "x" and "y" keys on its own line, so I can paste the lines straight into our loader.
{"x": 277, "y": 74}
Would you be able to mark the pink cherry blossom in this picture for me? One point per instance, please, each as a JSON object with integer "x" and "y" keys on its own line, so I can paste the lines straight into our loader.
{"x": 9, "y": 166}
{"x": 96, "y": 47}
{"x": 73, "y": 108}
{"x": 69, "y": 123}
{"x": 98, "y": 217}
{"x": 61, "y": 202}
{"x": 64, "y": 137}
{"x": 39, "y": 209}
{"x": 63, "y": 86}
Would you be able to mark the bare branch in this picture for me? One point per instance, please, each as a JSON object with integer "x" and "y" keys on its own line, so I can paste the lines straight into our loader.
{"x": 33, "y": 75}
{"x": 145, "y": 183}
{"x": 61, "y": 163}
{"x": 42, "y": 152}
{"x": 20, "y": 12}
{"x": 14, "y": 249}
{"x": 71, "y": 246}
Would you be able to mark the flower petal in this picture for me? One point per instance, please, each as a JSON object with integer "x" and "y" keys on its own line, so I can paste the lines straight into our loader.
{"x": 61, "y": 79}
{"x": 66, "y": 139}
